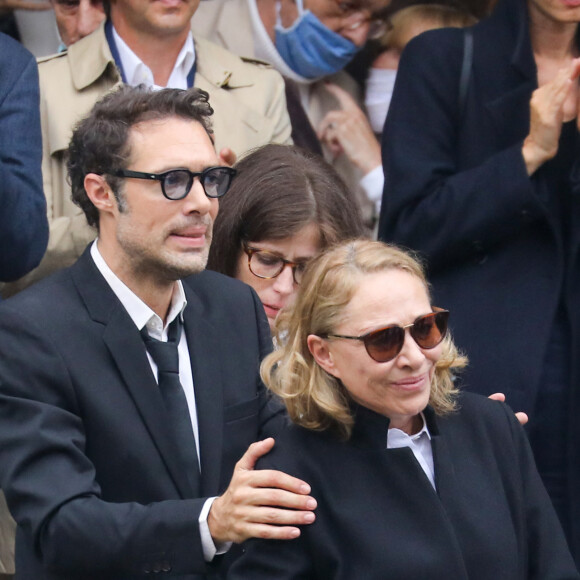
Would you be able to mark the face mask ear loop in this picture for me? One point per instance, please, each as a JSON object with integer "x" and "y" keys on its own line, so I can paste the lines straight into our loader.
{"x": 299, "y": 7}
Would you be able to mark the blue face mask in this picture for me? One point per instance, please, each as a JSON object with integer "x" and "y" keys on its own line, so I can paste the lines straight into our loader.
{"x": 311, "y": 49}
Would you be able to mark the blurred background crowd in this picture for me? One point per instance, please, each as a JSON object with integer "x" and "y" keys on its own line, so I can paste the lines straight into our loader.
{"x": 476, "y": 167}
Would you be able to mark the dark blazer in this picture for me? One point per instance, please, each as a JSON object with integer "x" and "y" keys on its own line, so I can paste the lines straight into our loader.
{"x": 23, "y": 223}
{"x": 378, "y": 517}
{"x": 457, "y": 190}
{"x": 86, "y": 460}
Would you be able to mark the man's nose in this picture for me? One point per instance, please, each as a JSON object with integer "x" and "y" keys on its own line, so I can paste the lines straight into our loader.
{"x": 196, "y": 200}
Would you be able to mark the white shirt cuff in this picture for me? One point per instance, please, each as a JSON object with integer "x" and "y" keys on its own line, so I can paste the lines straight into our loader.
{"x": 373, "y": 183}
{"x": 210, "y": 550}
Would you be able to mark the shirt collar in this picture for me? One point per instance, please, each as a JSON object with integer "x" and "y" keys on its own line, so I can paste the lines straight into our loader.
{"x": 139, "y": 312}
{"x": 398, "y": 438}
{"x": 424, "y": 430}
{"x": 137, "y": 72}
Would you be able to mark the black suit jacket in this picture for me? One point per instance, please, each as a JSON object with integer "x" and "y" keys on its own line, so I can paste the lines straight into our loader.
{"x": 86, "y": 459}
{"x": 379, "y": 518}
{"x": 501, "y": 248}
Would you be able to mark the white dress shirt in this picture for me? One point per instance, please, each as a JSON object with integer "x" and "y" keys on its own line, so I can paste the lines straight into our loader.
{"x": 138, "y": 73}
{"x": 373, "y": 183}
{"x": 143, "y": 316}
{"x": 420, "y": 445}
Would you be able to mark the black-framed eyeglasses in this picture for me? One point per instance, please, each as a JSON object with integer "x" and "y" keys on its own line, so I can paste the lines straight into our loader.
{"x": 177, "y": 183}
{"x": 384, "y": 344}
{"x": 265, "y": 264}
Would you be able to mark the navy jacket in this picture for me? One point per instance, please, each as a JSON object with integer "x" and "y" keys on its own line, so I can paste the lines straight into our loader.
{"x": 23, "y": 222}
{"x": 457, "y": 190}
{"x": 378, "y": 516}
{"x": 87, "y": 459}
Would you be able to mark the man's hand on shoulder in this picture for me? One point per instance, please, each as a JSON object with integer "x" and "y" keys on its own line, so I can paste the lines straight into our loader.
{"x": 521, "y": 416}
{"x": 260, "y": 503}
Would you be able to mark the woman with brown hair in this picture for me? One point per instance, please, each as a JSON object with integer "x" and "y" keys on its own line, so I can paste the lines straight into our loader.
{"x": 284, "y": 206}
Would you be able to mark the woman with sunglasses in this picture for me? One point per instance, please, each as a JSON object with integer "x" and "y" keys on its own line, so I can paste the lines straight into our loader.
{"x": 413, "y": 479}
{"x": 482, "y": 176}
{"x": 283, "y": 207}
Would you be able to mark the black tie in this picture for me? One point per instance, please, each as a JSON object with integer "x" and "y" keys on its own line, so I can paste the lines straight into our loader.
{"x": 166, "y": 358}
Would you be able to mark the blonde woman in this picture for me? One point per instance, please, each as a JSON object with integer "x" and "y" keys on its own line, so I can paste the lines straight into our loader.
{"x": 413, "y": 479}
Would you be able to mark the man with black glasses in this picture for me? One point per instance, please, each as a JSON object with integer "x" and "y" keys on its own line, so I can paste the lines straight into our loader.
{"x": 145, "y": 42}
{"x": 129, "y": 383}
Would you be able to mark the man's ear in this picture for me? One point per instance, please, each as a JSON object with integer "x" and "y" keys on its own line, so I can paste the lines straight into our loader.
{"x": 100, "y": 193}
{"x": 318, "y": 347}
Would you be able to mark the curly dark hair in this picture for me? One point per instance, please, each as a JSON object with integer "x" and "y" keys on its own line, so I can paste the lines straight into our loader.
{"x": 100, "y": 142}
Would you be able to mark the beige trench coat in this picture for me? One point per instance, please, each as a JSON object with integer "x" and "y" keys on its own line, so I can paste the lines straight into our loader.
{"x": 7, "y": 527}
{"x": 249, "y": 105}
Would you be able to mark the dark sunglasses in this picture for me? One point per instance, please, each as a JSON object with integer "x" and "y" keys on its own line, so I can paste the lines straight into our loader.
{"x": 177, "y": 183}
{"x": 385, "y": 344}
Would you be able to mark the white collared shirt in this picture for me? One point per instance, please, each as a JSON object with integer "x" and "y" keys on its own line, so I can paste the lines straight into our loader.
{"x": 373, "y": 183}
{"x": 138, "y": 73}
{"x": 143, "y": 316}
{"x": 420, "y": 445}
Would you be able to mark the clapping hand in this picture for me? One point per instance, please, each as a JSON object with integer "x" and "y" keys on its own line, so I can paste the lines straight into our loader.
{"x": 547, "y": 115}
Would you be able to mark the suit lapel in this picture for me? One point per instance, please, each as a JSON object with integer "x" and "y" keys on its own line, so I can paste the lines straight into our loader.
{"x": 204, "y": 352}
{"x": 221, "y": 78}
{"x": 93, "y": 73}
{"x": 127, "y": 350}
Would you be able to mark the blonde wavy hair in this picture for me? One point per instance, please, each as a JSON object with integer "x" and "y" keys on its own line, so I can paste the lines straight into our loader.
{"x": 314, "y": 398}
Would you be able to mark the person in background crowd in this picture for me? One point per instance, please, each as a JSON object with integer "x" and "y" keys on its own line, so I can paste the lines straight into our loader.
{"x": 284, "y": 206}
{"x": 23, "y": 224}
{"x": 129, "y": 383}
{"x": 309, "y": 43}
{"x": 405, "y": 24}
{"x": 348, "y": 130}
{"x": 76, "y": 19}
{"x": 152, "y": 44}
{"x": 481, "y": 158}
{"x": 413, "y": 478}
